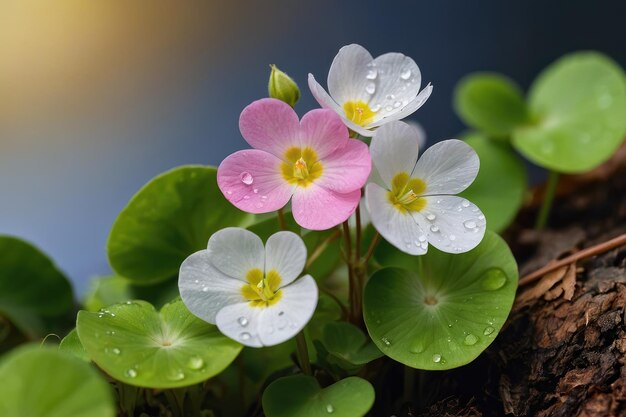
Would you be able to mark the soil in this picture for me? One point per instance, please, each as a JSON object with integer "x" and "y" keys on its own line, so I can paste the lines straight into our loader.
{"x": 563, "y": 350}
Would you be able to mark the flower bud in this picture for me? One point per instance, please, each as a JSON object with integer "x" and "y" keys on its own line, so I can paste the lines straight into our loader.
{"x": 282, "y": 87}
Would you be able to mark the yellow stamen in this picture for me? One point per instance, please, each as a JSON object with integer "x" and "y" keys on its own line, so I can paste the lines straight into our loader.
{"x": 301, "y": 166}
{"x": 262, "y": 291}
{"x": 359, "y": 112}
{"x": 405, "y": 194}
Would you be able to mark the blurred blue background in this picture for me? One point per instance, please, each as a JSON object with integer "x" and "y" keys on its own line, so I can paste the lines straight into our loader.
{"x": 97, "y": 97}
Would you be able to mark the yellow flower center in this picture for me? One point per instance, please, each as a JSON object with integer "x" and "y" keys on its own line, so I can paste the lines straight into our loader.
{"x": 405, "y": 194}
{"x": 359, "y": 112}
{"x": 262, "y": 291}
{"x": 301, "y": 166}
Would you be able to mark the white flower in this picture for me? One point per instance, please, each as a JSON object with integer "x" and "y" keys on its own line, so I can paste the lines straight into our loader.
{"x": 249, "y": 291}
{"x": 417, "y": 205}
{"x": 368, "y": 92}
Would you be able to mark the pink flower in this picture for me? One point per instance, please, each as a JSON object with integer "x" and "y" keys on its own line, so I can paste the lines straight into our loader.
{"x": 312, "y": 160}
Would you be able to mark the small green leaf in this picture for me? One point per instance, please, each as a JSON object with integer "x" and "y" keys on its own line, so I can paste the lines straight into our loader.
{"x": 71, "y": 344}
{"x": 302, "y": 396}
{"x": 135, "y": 344}
{"x": 579, "y": 103}
{"x": 43, "y": 382}
{"x": 105, "y": 291}
{"x": 501, "y": 182}
{"x": 348, "y": 346}
{"x": 490, "y": 103}
{"x": 170, "y": 218}
{"x": 34, "y": 294}
{"x": 440, "y": 310}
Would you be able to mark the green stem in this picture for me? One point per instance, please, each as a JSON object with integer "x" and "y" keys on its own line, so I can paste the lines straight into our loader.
{"x": 352, "y": 285}
{"x": 548, "y": 198}
{"x": 303, "y": 354}
{"x": 357, "y": 243}
{"x": 281, "y": 219}
{"x": 409, "y": 384}
{"x": 176, "y": 399}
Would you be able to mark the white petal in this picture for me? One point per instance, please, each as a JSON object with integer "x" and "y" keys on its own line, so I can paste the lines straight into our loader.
{"x": 327, "y": 102}
{"x": 447, "y": 167}
{"x": 235, "y": 251}
{"x": 204, "y": 289}
{"x": 399, "y": 229}
{"x": 347, "y": 77}
{"x": 286, "y": 318}
{"x": 402, "y": 112}
{"x": 241, "y": 322}
{"x": 421, "y": 133}
{"x": 285, "y": 252}
{"x": 394, "y": 149}
{"x": 397, "y": 83}
{"x": 452, "y": 223}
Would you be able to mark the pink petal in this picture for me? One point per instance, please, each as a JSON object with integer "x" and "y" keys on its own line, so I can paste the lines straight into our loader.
{"x": 346, "y": 169}
{"x": 317, "y": 208}
{"x": 270, "y": 125}
{"x": 252, "y": 181}
{"x": 324, "y": 131}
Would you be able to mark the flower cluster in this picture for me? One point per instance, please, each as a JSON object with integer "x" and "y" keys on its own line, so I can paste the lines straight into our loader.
{"x": 320, "y": 164}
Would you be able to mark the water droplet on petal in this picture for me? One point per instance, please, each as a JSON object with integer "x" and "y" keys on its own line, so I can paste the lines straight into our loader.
{"x": 481, "y": 217}
{"x": 465, "y": 203}
{"x": 452, "y": 237}
{"x": 494, "y": 279}
{"x": 434, "y": 228}
{"x": 245, "y": 336}
{"x": 390, "y": 97}
{"x": 246, "y": 178}
{"x": 470, "y": 224}
{"x": 205, "y": 289}
{"x": 397, "y": 104}
{"x": 431, "y": 217}
{"x": 243, "y": 322}
{"x": 422, "y": 238}
{"x": 470, "y": 340}
{"x": 436, "y": 358}
{"x": 488, "y": 330}
{"x": 370, "y": 88}
{"x": 388, "y": 108}
{"x": 405, "y": 74}
{"x": 375, "y": 108}
{"x": 372, "y": 74}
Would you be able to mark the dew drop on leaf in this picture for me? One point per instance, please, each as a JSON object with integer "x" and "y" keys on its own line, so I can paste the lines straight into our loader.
{"x": 195, "y": 363}
{"x": 386, "y": 341}
{"x": 131, "y": 373}
{"x": 436, "y": 358}
{"x": 177, "y": 375}
{"x": 330, "y": 409}
{"x": 488, "y": 330}
{"x": 470, "y": 340}
{"x": 417, "y": 347}
{"x": 494, "y": 279}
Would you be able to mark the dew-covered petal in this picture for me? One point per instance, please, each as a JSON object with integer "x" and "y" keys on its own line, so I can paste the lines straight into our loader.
{"x": 235, "y": 251}
{"x": 241, "y": 322}
{"x": 403, "y": 111}
{"x": 270, "y": 125}
{"x": 285, "y": 319}
{"x": 323, "y": 131}
{"x": 327, "y": 102}
{"x": 347, "y": 77}
{"x": 252, "y": 181}
{"x": 447, "y": 167}
{"x": 205, "y": 289}
{"x": 394, "y": 149}
{"x": 346, "y": 169}
{"x": 453, "y": 224}
{"x": 398, "y": 228}
{"x": 317, "y": 208}
{"x": 285, "y": 253}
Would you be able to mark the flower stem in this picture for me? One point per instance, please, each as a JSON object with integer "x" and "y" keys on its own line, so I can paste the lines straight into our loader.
{"x": 371, "y": 248}
{"x": 322, "y": 247}
{"x": 281, "y": 219}
{"x": 352, "y": 285}
{"x": 357, "y": 243}
{"x": 548, "y": 198}
{"x": 303, "y": 353}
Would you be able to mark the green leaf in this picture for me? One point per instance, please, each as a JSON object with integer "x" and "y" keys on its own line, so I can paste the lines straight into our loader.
{"x": 105, "y": 291}
{"x": 491, "y": 103}
{"x": 579, "y": 103}
{"x": 348, "y": 346}
{"x": 170, "y": 218}
{"x": 499, "y": 188}
{"x": 34, "y": 294}
{"x": 43, "y": 382}
{"x": 440, "y": 310}
{"x": 135, "y": 344}
{"x": 71, "y": 344}
{"x": 302, "y": 396}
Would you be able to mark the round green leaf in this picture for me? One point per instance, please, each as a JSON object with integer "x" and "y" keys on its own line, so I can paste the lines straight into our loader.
{"x": 491, "y": 103}
{"x": 302, "y": 396}
{"x": 135, "y": 344}
{"x": 348, "y": 346}
{"x": 71, "y": 344}
{"x": 440, "y": 311}
{"x": 580, "y": 106}
{"x": 105, "y": 291}
{"x": 170, "y": 218}
{"x": 43, "y": 382}
{"x": 501, "y": 182}
{"x": 34, "y": 294}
